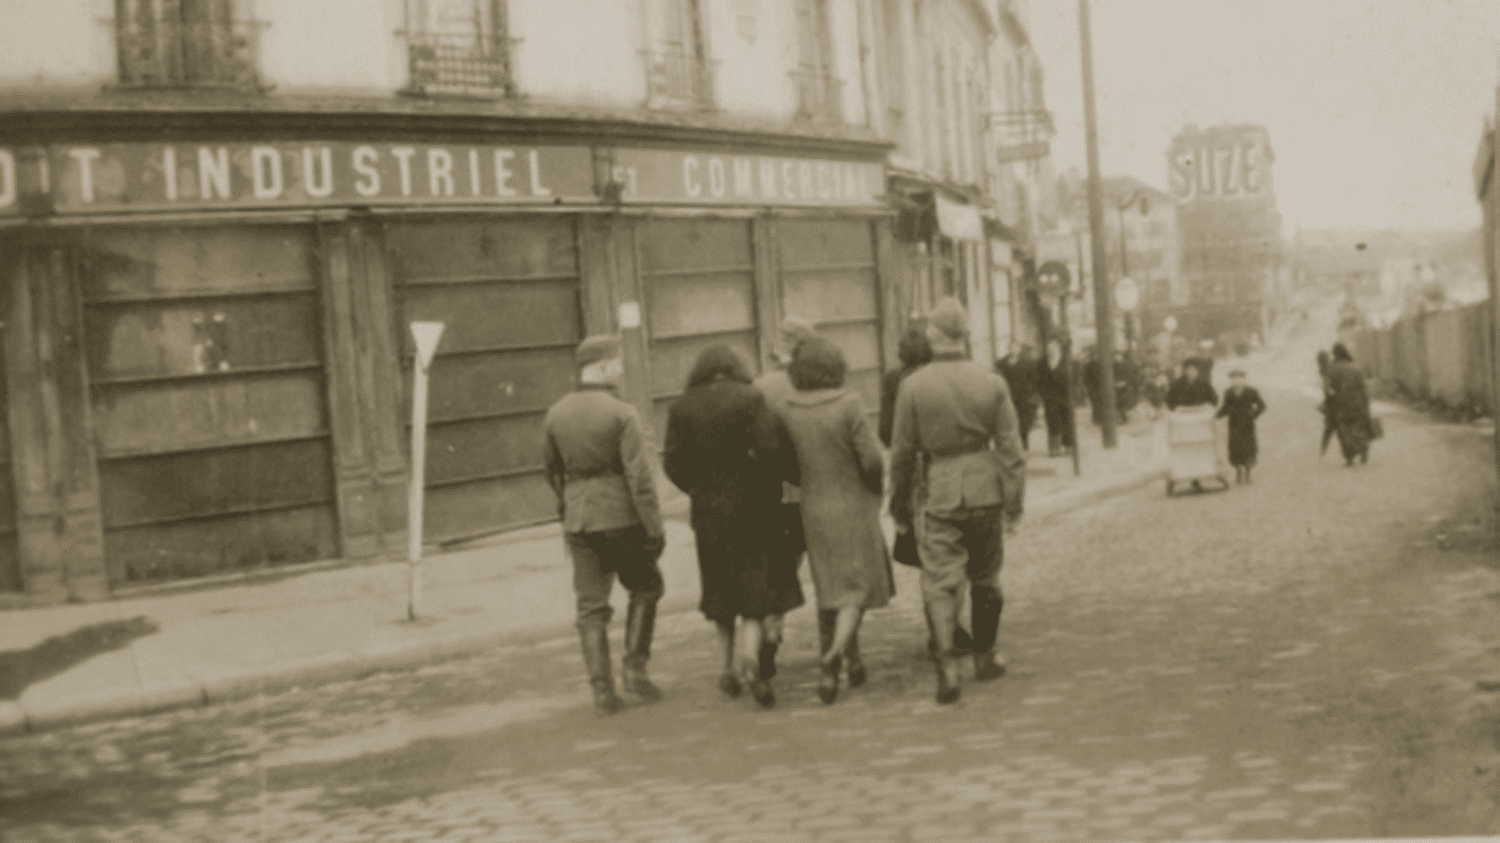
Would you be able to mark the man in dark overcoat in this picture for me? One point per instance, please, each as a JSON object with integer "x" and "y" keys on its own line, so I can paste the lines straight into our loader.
{"x": 598, "y": 464}
{"x": 960, "y": 417}
{"x": 1020, "y": 369}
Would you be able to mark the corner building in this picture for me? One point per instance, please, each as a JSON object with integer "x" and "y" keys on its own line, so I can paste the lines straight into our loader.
{"x": 217, "y": 222}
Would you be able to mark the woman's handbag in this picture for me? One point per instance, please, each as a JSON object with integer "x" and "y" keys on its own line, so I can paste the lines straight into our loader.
{"x": 905, "y": 550}
{"x": 1377, "y": 428}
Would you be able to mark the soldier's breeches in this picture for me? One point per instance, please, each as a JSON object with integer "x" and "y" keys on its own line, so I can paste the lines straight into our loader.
{"x": 958, "y": 547}
{"x": 600, "y": 557}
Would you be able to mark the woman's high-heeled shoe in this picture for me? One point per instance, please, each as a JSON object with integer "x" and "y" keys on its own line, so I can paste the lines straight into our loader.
{"x": 857, "y": 674}
{"x": 760, "y": 689}
{"x": 828, "y": 682}
{"x": 729, "y": 684}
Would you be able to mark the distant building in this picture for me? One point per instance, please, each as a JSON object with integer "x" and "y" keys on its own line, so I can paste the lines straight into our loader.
{"x": 1148, "y": 251}
{"x": 1230, "y": 230}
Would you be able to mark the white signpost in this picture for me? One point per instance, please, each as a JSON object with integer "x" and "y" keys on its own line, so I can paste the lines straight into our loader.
{"x": 426, "y": 335}
{"x": 1127, "y": 294}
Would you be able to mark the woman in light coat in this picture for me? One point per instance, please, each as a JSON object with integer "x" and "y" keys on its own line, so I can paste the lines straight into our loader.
{"x": 840, "y": 471}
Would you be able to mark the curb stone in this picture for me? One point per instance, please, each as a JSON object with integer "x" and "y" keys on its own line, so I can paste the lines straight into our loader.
{"x": 17, "y": 718}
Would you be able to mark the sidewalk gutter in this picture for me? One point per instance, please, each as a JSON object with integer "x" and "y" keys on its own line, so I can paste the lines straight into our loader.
{"x": 212, "y": 689}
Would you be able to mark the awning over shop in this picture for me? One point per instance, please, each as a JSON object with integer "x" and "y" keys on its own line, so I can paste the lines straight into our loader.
{"x": 960, "y": 222}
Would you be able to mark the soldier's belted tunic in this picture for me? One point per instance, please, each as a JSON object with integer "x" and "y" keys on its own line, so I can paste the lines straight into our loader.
{"x": 960, "y": 416}
{"x": 598, "y": 464}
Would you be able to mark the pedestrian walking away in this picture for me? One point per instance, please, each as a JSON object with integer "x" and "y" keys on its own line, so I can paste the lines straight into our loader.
{"x": 597, "y": 464}
{"x": 914, "y": 352}
{"x": 960, "y": 417}
{"x": 777, "y": 388}
{"x": 1057, "y": 402}
{"x": 840, "y": 470}
{"x": 1348, "y": 406}
{"x": 1324, "y": 361}
{"x": 1242, "y": 406}
{"x": 1020, "y": 370}
{"x": 722, "y": 449}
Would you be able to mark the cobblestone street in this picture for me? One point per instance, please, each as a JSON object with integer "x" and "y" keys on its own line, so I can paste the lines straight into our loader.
{"x": 1313, "y": 656}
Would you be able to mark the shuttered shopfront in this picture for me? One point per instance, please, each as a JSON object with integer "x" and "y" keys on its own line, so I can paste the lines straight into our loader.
{"x": 204, "y": 356}
{"x": 507, "y": 289}
{"x": 698, "y": 276}
{"x": 208, "y": 356}
{"x": 827, "y": 274}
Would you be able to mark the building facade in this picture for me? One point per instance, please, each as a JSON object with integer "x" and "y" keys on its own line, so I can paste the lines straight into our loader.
{"x": 1222, "y": 179}
{"x": 216, "y": 223}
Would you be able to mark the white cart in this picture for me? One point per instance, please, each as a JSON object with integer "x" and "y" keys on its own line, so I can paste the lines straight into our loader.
{"x": 1193, "y": 448}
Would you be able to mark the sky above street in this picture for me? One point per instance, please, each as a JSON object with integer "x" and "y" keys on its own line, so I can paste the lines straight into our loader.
{"x": 1374, "y": 107}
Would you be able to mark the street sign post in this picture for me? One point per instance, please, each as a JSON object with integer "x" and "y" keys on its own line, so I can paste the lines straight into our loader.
{"x": 426, "y": 335}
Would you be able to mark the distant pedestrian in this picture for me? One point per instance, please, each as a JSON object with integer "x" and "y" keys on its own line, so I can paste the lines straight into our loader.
{"x": 1053, "y": 389}
{"x": 598, "y": 464}
{"x": 961, "y": 417}
{"x": 1348, "y": 406}
{"x": 723, "y": 451}
{"x": 914, "y": 352}
{"x": 1324, "y": 361}
{"x": 1242, "y": 406}
{"x": 1020, "y": 370}
{"x": 841, "y": 470}
{"x": 1127, "y": 385}
{"x": 1192, "y": 389}
{"x": 777, "y": 388}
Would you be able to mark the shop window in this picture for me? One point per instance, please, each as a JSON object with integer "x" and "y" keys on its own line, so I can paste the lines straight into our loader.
{"x": 819, "y": 91}
{"x": 678, "y": 72}
{"x": 186, "y": 44}
{"x": 458, "y": 47}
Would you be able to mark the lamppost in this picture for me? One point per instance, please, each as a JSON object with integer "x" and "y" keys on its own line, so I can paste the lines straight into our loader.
{"x": 1127, "y": 289}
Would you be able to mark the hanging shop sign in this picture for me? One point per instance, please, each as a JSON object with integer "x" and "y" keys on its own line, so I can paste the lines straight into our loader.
{"x": 648, "y": 175}
{"x": 140, "y": 176}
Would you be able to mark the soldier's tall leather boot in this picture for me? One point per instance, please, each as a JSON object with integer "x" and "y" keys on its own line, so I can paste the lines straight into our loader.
{"x": 986, "y": 603}
{"x": 595, "y": 641}
{"x": 942, "y": 617}
{"x": 640, "y": 625}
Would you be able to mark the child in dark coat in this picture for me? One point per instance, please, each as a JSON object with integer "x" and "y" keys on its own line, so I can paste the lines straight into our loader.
{"x": 1242, "y": 404}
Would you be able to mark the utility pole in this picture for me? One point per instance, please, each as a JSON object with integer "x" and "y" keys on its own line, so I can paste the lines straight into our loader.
{"x": 1104, "y": 300}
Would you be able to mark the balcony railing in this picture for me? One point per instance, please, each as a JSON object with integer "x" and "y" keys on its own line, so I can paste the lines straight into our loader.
{"x": 459, "y": 64}
{"x": 674, "y": 77}
{"x": 173, "y": 54}
{"x": 819, "y": 96}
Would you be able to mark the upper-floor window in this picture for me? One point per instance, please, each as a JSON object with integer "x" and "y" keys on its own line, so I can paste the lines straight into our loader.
{"x": 458, "y": 47}
{"x": 677, "y": 66}
{"x": 186, "y": 44}
{"x": 819, "y": 90}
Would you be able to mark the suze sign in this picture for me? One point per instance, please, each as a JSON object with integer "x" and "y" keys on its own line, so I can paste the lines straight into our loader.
{"x": 695, "y": 178}
{"x": 112, "y": 177}
{"x": 1227, "y": 162}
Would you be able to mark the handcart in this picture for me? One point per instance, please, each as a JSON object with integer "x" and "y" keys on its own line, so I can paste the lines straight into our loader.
{"x": 1193, "y": 448}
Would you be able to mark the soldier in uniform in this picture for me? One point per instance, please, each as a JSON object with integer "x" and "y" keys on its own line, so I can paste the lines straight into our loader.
{"x": 777, "y": 388}
{"x": 598, "y": 465}
{"x": 959, "y": 417}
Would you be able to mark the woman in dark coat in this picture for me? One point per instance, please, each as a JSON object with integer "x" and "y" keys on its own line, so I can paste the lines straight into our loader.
{"x": 914, "y": 352}
{"x": 1348, "y": 406}
{"x": 840, "y": 470}
{"x": 1192, "y": 389}
{"x": 1242, "y": 405}
{"x": 1057, "y": 404}
{"x": 723, "y": 450}
{"x": 1324, "y": 361}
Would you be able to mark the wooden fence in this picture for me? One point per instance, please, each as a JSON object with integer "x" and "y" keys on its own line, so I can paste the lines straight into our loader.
{"x": 1445, "y": 357}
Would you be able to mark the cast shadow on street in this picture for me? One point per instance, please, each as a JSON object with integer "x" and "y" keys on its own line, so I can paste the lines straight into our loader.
{"x": 22, "y": 668}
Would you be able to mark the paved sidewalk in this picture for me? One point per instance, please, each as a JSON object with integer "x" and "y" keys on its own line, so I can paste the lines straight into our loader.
{"x": 126, "y": 657}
